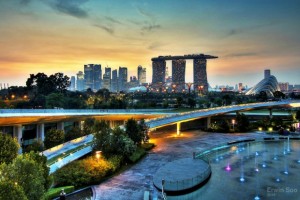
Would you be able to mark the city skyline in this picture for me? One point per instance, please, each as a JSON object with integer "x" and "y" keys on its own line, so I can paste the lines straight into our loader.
{"x": 62, "y": 36}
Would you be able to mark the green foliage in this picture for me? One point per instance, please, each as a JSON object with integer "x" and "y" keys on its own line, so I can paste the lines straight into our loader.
{"x": 55, "y": 192}
{"x": 45, "y": 85}
{"x": 74, "y": 133}
{"x": 191, "y": 102}
{"x": 85, "y": 172}
{"x": 279, "y": 95}
{"x": 11, "y": 191}
{"x": 42, "y": 161}
{"x": 133, "y": 131}
{"x": 8, "y": 148}
{"x": 88, "y": 126}
{"x": 53, "y": 138}
{"x": 36, "y": 146}
{"x": 243, "y": 123}
{"x": 55, "y": 100}
{"x": 298, "y": 115}
{"x": 222, "y": 126}
{"x": 26, "y": 173}
{"x": 138, "y": 154}
{"x": 112, "y": 141}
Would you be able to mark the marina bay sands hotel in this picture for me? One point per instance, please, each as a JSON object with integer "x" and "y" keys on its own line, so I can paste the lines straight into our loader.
{"x": 178, "y": 71}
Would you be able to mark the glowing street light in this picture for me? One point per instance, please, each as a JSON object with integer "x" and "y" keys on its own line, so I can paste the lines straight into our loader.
{"x": 98, "y": 154}
{"x": 233, "y": 122}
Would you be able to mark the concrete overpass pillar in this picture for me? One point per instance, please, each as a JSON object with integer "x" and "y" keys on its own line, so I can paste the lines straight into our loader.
{"x": 178, "y": 128}
{"x": 61, "y": 126}
{"x": 208, "y": 122}
{"x": 40, "y": 129}
{"x": 271, "y": 113}
{"x": 18, "y": 133}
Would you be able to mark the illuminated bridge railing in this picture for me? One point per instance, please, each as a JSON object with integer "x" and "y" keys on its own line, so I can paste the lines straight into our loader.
{"x": 211, "y": 112}
{"x": 79, "y": 111}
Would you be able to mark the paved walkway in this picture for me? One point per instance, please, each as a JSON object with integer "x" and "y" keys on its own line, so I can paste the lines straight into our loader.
{"x": 132, "y": 183}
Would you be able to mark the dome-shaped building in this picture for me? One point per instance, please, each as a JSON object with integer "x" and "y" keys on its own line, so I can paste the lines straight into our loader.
{"x": 268, "y": 85}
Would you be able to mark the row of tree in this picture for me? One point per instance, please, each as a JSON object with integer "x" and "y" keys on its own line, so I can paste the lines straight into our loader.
{"x": 22, "y": 177}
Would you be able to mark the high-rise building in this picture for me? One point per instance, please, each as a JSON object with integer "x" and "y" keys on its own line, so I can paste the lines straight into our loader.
{"x": 97, "y": 75}
{"x": 178, "y": 74}
{"x": 122, "y": 78}
{"x": 108, "y": 72}
{"x": 88, "y": 77}
{"x": 284, "y": 87}
{"x": 141, "y": 75}
{"x": 92, "y": 76}
{"x": 158, "y": 74}
{"x": 106, "y": 81}
{"x": 72, "y": 85}
{"x": 240, "y": 87}
{"x": 80, "y": 81}
{"x": 114, "y": 81}
{"x": 200, "y": 75}
{"x": 267, "y": 73}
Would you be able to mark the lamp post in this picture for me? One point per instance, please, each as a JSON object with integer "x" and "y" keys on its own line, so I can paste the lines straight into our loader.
{"x": 174, "y": 87}
{"x": 233, "y": 122}
{"x": 189, "y": 85}
{"x": 200, "y": 89}
{"x": 98, "y": 154}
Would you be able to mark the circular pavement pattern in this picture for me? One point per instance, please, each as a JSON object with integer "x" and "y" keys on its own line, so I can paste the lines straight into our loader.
{"x": 182, "y": 175}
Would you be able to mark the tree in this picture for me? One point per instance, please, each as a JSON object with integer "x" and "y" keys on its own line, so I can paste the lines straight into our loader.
{"x": 36, "y": 146}
{"x": 55, "y": 100}
{"x": 104, "y": 139}
{"x": 42, "y": 84}
{"x": 26, "y": 173}
{"x": 144, "y": 130}
{"x": 88, "y": 126}
{"x": 11, "y": 191}
{"x": 53, "y": 138}
{"x": 279, "y": 95}
{"x": 42, "y": 161}
{"x": 133, "y": 131}
{"x": 191, "y": 102}
{"x": 8, "y": 148}
{"x": 262, "y": 96}
{"x": 74, "y": 133}
{"x": 179, "y": 101}
{"x": 242, "y": 122}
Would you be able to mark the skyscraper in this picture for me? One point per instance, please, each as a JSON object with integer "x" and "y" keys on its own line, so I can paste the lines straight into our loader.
{"x": 80, "y": 81}
{"x": 200, "y": 76}
{"x": 88, "y": 77}
{"x": 267, "y": 73}
{"x": 141, "y": 75}
{"x": 158, "y": 74}
{"x": 114, "y": 81}
{"x": 97, "y": 77}
{"x": 108, "y": 75}
{"x": 122, "y": 78}
{"x": 92, "y": 76}
{"x": 106, "y": 81}
{"x": 178, "y": 74}
{"x": 72, "y": 85}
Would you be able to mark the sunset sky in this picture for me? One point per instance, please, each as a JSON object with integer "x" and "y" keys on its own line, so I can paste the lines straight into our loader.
{"x": 62, "y": 35}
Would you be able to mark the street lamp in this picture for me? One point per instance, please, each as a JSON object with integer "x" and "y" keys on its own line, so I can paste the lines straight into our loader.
{"x": 233, "y": 122}
{"x": 189, "y": 85}
{"x": 98, "y": 154}
{"x": 13, "y": 96}
{"x": 174, "y": 88}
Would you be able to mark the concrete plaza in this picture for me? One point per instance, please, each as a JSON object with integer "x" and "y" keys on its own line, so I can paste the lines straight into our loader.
{"x": 132, "y": 183}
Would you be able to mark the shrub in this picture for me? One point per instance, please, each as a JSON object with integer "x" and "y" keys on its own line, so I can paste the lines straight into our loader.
{"x": 87, "y": 171}
{"x": 138, "y": 154}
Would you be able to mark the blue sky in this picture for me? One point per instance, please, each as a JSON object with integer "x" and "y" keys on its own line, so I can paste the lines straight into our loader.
{"x": 62, "y": 35}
